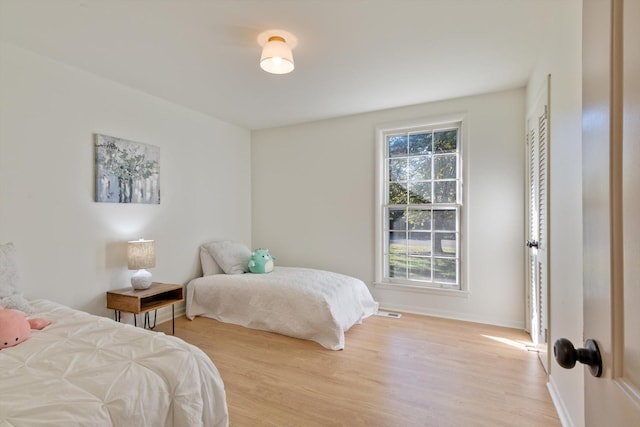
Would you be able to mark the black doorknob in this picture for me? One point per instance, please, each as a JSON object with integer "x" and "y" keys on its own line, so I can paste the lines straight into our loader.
{"x": 567, "y": 355}
{"x": 532, "y": 244}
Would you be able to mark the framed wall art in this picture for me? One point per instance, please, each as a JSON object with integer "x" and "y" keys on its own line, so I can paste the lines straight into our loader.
{"x": 126, "y": 171}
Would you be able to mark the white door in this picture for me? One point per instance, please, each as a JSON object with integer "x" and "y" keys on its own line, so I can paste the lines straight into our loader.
{"x": 537, "y": 213}
{"x": 611, "y": 208}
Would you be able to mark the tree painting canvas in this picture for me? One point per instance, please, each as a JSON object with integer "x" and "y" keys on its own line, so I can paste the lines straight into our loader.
{"x": 126, "y": 171}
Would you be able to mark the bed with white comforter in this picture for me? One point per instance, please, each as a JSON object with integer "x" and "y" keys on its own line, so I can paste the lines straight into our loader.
{"x": 303, "y": 303}
{"x": 86, "y": 370}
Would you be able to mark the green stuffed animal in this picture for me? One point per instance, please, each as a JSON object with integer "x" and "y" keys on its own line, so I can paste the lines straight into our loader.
{"x": 261, "y": 261}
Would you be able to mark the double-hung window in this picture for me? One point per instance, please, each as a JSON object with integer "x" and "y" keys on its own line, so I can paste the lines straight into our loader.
{"x": 420, "y": 195}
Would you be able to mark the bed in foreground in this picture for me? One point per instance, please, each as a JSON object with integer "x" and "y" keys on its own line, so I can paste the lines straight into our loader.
{"x": 91, "y": 371}
{"x": 303, "y": 303}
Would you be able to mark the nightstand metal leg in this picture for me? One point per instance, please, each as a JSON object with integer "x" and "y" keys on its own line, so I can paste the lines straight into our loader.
{"x": 173, "y": 319}
{"x": 147, "y": 320}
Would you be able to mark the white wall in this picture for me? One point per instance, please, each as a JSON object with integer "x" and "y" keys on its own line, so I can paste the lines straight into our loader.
{"x": 313, "y": 202}
{"x": 72, "y": 249}
{"x": 562, "y": 59}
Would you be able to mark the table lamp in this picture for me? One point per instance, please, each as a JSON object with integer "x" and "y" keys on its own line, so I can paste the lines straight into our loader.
{"x": 141, "y": 254}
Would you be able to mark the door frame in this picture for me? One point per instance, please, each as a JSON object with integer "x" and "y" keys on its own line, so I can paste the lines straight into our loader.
{"x": 542, "y": 99}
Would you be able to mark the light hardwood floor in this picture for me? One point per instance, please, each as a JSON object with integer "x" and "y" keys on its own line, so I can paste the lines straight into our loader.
{"x": 412, "y": 371}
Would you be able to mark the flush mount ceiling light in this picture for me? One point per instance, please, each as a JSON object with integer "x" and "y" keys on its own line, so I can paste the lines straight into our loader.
{"x": 277, "y": 57}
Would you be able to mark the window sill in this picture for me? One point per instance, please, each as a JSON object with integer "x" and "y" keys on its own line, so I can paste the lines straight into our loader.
{"x": 421, "y": 289}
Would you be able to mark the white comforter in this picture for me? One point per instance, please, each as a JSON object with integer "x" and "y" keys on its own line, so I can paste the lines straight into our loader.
{"x": 303, "y": 303}
{"x": 85, "y": 370}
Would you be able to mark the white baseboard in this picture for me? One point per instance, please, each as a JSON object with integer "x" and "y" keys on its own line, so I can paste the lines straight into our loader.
{"x": 563, "y": 414}
{"x": 451, "y": 315}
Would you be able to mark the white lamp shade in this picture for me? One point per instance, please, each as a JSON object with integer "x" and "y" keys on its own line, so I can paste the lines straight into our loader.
{"x": 276, "y": 57}
{"x": 141, "y": 254}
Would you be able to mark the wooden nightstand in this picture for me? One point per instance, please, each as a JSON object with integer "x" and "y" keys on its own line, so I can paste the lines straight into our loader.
{"x": 142, "y": 301}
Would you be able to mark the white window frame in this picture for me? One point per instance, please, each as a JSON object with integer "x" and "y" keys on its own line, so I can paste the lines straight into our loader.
{"x": 381, "y": 182}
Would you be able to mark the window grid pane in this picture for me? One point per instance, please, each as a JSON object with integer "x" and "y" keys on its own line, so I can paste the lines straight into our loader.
{"x": 422, "y": 207}
{"x": 423, "y": 245}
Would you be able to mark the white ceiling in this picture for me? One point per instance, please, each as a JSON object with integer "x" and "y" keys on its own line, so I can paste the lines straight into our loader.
{"x": 352, "y": 56}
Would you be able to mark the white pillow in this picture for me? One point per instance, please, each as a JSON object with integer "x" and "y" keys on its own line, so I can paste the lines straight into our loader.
{"x": 232, "y": 257}
{"x": 209, "y": 265}
{"x": 10, "y": 295}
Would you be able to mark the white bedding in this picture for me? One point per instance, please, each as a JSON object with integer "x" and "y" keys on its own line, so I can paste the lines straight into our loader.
{"x": 85, "y": 370}
{"x": 299, "y": 302}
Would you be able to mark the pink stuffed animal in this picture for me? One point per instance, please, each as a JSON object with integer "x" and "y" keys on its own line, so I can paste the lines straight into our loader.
{"x": 16, "y": 328}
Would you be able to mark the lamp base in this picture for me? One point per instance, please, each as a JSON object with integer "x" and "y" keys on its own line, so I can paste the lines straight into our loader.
{"x": 141, "y": 279}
